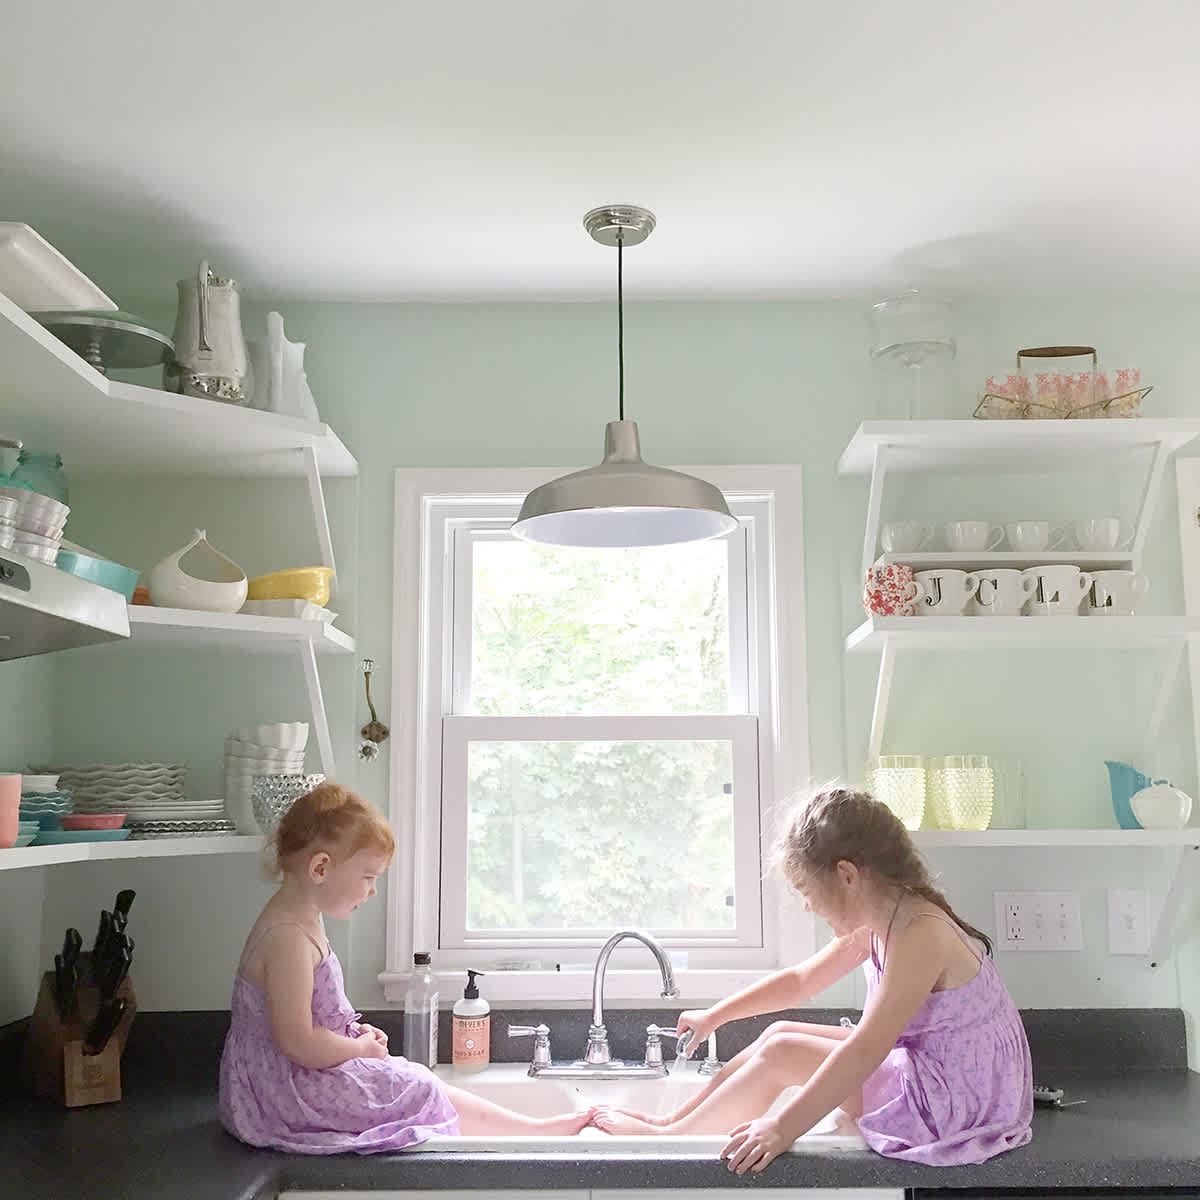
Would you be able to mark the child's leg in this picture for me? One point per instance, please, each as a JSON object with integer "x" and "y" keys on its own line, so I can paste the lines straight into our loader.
{"x": 783, "y": 1060}
{"x": 478, "y": 1117}
{"x": 835, "y": 1033}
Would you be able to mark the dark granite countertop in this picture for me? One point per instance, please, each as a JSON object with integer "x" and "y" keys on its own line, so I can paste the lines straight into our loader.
{"x": 1139, "y": 1129}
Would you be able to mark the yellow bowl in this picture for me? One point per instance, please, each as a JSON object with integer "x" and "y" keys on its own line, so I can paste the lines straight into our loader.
{"x": 298, "y": 583}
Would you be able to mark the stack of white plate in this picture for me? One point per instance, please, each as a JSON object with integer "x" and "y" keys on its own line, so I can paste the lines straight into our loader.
{"x": 35, "y": 527}
{"x": 143, "y": 791}
{"x": 252, "y": 750}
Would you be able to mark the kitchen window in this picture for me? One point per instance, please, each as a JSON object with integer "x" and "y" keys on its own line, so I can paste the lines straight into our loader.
{"x": 598, "y": 736}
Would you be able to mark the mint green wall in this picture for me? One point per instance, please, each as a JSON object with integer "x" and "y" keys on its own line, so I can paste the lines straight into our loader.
{"x": 533, "y": 384}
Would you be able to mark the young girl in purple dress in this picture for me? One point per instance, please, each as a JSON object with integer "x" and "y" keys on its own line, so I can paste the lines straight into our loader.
{"x": 300, "y": 1071}
{"x": 937, "y": 1070}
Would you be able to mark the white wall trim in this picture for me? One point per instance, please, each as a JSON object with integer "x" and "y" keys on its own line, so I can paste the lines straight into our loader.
{"x": 417, "y": 667}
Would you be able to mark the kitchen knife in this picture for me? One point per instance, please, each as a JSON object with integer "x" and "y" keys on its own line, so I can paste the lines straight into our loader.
{"x": 61, "y": 987}
{"x": 102, "y": 934}
{"x": 72, "y": 944}
{"x": 101, "y": 1029}
{"x": 123, "y": 904}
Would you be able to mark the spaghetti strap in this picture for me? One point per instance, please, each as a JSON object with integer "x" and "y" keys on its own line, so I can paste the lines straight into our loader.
{"x": 262, "y": 933}
{"x": 962, "y": 933}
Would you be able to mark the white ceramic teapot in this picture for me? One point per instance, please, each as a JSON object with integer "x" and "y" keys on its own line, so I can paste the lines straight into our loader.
{"x": 220, "y": 585}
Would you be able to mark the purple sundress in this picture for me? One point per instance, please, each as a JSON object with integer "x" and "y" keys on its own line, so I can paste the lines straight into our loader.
{"x": 364, "y": 1104}
{"x": 958, "y": 1086}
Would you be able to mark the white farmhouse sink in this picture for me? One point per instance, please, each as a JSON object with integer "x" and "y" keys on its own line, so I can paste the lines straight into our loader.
{"x": 509, "y": 1084}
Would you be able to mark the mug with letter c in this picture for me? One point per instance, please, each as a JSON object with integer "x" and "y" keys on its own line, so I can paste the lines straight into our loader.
{"x": 1002, "y": 592}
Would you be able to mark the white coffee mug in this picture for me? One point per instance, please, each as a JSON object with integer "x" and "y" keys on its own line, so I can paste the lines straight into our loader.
{"x": 966, "y": 536}
{"x": 1002, "y": 592}
{"x": 1057, "y": 590}
{"x": 1098, "y": 533}
{"x": 1116, "y": 593}
{"x": 1032, "y": 537}
{"x": 947, "y": 592}
{"x": 905, "y": 537}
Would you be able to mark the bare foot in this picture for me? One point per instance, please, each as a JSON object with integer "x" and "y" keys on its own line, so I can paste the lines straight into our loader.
{"x": 845, "y": 1124}
{"x": 616, "y": 1121}
{"x": 567, "y": 1123}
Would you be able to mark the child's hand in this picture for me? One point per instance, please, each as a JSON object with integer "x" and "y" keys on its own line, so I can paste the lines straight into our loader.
{"x": 699, "y": 1022}
{"x": 368, "y": 1045}
{"x": 753, "y": 1145}
{"x": 362, "y": 1029}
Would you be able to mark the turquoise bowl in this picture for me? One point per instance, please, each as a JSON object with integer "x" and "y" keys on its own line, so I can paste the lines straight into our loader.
{"x": 107, "y": 574}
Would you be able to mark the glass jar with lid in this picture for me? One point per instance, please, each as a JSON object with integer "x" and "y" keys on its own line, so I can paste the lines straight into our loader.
{"x": 41, "y": 471}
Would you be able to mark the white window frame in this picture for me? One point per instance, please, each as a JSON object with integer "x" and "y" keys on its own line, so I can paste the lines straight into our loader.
{"x": 424, "y": 679}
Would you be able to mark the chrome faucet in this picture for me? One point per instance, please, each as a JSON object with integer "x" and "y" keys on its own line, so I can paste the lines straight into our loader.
{"x": 597, "y": 1062}
{"x": 597, "y": 1043}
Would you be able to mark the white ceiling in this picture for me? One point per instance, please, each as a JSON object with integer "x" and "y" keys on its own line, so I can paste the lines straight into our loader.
{"x": 382, "y": 150}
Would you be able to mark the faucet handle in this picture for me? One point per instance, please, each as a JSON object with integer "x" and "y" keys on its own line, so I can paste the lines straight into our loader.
{"x": 541, "y": 1042}
{"x": 654, "y": 1034}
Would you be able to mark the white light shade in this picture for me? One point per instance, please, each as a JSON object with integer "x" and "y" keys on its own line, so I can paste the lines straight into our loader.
{"x": 624, "y": 502}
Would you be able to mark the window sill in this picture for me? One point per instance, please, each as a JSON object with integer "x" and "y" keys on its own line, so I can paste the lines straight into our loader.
{"x": 561, "y": 989}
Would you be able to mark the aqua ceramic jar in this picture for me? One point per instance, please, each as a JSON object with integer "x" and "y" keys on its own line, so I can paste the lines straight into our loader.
{"x": 41, "y": 470}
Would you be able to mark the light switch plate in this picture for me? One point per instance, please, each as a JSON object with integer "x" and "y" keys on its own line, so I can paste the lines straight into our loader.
{"x": 1128, "y": 922}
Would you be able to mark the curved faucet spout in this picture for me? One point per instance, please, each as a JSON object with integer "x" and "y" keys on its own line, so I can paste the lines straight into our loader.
{"x": 597, "y": 1049}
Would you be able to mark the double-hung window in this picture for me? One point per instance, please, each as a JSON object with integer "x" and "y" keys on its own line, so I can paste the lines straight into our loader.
{"x": 599, "y": 735}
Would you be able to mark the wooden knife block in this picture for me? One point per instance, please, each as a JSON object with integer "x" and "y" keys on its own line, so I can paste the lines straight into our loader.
{"x": 54, "y": 1063}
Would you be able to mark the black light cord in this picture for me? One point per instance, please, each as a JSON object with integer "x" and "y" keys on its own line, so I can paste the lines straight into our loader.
{"x": 620, "y": 330}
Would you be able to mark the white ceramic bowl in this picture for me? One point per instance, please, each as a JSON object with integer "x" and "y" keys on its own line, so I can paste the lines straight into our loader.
{"x": 1161, "y": 806}
{"x": 284, "y": 735}
{"x": 39, "y": 783}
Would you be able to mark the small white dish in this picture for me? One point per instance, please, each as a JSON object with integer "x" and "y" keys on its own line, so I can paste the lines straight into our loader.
{"x": 1161, "y": 806}
{"x": 37, "y": 277}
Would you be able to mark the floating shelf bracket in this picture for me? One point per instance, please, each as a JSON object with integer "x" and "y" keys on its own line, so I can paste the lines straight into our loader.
{"x": 316, "y": 704}
{"x": 1164, "y": 930}
{"x": 316, "y": 495}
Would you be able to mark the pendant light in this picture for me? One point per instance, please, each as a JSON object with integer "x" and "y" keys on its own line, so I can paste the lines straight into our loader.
{"x": 623, "y": 501}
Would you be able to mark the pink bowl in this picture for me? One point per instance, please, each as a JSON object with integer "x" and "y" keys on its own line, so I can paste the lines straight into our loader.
{"x": 92, "y": 820}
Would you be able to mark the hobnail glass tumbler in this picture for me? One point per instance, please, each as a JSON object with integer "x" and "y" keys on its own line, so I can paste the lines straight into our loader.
{"x": 898, "y": 780}
{"x": 960, "y": 792}
{"x": 272, "y": 795}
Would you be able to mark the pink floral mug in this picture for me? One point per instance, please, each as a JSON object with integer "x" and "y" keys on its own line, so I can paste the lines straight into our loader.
{"x": 891, "y": 591}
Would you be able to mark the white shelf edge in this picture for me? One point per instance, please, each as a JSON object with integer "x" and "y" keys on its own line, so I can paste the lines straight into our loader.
{"x": 949, "y": 446}
{"x": 1087, "y": 560}
{"x": 242, "y": 631}
{"x": 1126, "y": 838}
{"x": 103, "y": 424}
{"x": 990, "y": 633}
{"x": 49, "y": 856}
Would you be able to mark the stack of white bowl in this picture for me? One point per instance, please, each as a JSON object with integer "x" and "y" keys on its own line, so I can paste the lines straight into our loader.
{"x": 259, "y": 750}
{"x": 31, "y": 524}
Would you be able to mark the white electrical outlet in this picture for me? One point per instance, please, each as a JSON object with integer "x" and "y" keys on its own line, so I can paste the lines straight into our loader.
{"x": 1128, "y": 922}
{"x": 1038, "y": 921}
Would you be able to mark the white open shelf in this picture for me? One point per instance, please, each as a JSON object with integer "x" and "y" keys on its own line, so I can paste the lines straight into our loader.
{"x": 1087, "y": 560}
{"x": 48, "y": 856}
{"x": 991, "y": 633}
{"x": 1129, "y": 838}
{"x": 248, "y": 634}
{"x": 970, "y": 445}
{"x": 51, "y": 397}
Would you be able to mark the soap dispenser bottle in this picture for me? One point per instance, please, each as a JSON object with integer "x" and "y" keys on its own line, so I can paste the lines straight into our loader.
{"x": 421, "y": 1013}
{"x": 472, "y": 1028}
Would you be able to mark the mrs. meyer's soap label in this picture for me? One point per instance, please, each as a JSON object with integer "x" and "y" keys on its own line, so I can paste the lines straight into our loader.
{"x": 472, "y": 1041}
